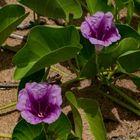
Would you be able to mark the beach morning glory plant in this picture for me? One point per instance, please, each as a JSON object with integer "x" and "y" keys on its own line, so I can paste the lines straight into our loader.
{"x": 101, "y": 52}
{"x": 40, "y": 102}
{"x": 100, "y": 30}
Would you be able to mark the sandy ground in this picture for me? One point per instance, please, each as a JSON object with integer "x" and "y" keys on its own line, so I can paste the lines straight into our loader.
{"x": 120, "y": 124}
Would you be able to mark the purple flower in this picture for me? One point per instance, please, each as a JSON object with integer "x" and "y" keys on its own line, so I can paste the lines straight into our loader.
{"x": 40, "y": 102}
{"x": 100, "y": 30}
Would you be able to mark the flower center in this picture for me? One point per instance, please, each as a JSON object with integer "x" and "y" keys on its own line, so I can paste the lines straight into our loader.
{"x": 41, "y": 115}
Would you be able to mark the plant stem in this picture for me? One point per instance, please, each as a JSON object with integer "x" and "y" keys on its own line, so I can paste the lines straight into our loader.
{"x": 5, "y": 136}
{"x": 119, "y": 77}
{"x": 73, "y": 68}
{"x": 119, "y": 102}
{"x": 84, "y": 5}
{"x": 44, "y": 129}
{"x": 9, "y": 85}
{"x": 59, "y": 71}
{"x": 127, "y": 98}
{"x": 38, "y": 19}
{"x": 46, "y": 74}
{"x": 77, "y": 62}
{"x": 116, "y": 13}
{"x": 97, "y": 65}
{"x": 112, "y": 72}
{"x": 58, "y": 26}
{"x": 34, "y": 16}
{"x": 8, "y": 106}
{"x": 71, "y": 81}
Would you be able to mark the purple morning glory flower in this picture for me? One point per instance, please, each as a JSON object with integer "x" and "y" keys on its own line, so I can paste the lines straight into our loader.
{"x": 100, "y": 30}
{"x": 40, "y": 102}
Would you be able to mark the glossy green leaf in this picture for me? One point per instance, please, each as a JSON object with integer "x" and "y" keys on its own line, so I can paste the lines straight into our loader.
{"x": 127, "y": 31}
{"x": 35, "y": 77}
{"x": 135, "y": 79}
{"x": 26, "y": 131}
{"x": 87, "y": 59}
{"x": 109, "y": 55}
{"x": 130, "y": 10}
{"x": 125, "y": 1}
{"x": 60, "y": 129}
{"x": 139, "y": 28}
{"x": 46, "y": 46}
{"x": 130, "y": 60}
{"x": 98, "y": 5}
{"x": 55, "y": 8}
{"x": 137, "y": 6}
{"x": 119, "y": 4}
{"x": 72, "y": 137}
{"x": 10, "y": 17}
{"x": 94, "y": 118}
{"x": 42, "y": 136}
{"x": 127, "y": 44}
{"x": 105, "y": 58}
{"x": 76, "y": 115}
{"x": 71, "y": 7}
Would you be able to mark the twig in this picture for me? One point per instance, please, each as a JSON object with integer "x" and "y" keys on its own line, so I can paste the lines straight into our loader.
{"x": 123, "y": 95}
{"x": 5, "y": 136}
{"x": 53, "y": 68}
{"x": 9, "y": 48}
{"x": 72, "y": 81}
{"x": 8, "y": 106}
{"x": 118, "y": 102}
{"x": 73, "y": 67}
{"x": 9, "y": 85}
{"x": 17, "y": 36}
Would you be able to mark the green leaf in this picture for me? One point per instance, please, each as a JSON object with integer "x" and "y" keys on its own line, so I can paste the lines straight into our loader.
{"x": 139, "y": 28}
{"x": 119, "y": 4}
{"x": 110, "y": 54}
{"x": 105, "y": 58}
{"x": 35, "y": 77}
{"x": 71, "y": 7}
{"x": 42, "y": 136}
{"x": 55, "y": 8}
{"x": 94, "y": 118}
{"x": 130, "y": 10}
{"x": 137, "y": 6}
{"x": 87, "y": 59}
{"x": 60, "y": 129}
{"x": 26, "y": 131}
{"x": 72, "y": 137}
{"x": 76, "y": 115}
{"x": 135, "y": 79}
{"x": 125, "y": 45}
{"x": 10, "y": 17}
{"x": 130, "y": 60}
{"x": 46, "y": 46}
{"x": 127, "y": 31}
{"x": 98, "y": 5}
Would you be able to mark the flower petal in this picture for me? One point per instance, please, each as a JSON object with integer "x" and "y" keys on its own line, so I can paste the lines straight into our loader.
{"x": 89, "y": 27}
{"x": 23, "y": 100}
{"x": 100, "y": 30}
{"x": 111, "y": 35}
{"x": 104, "y": 25}
{"x": 55, "y": 95}
{"x": 53, "y": 115}
{"x": 30, "y": 118}
{"x": 40, "y": 101}
{"x": 38, "y": 90}
{"x": 86, "y": 30}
